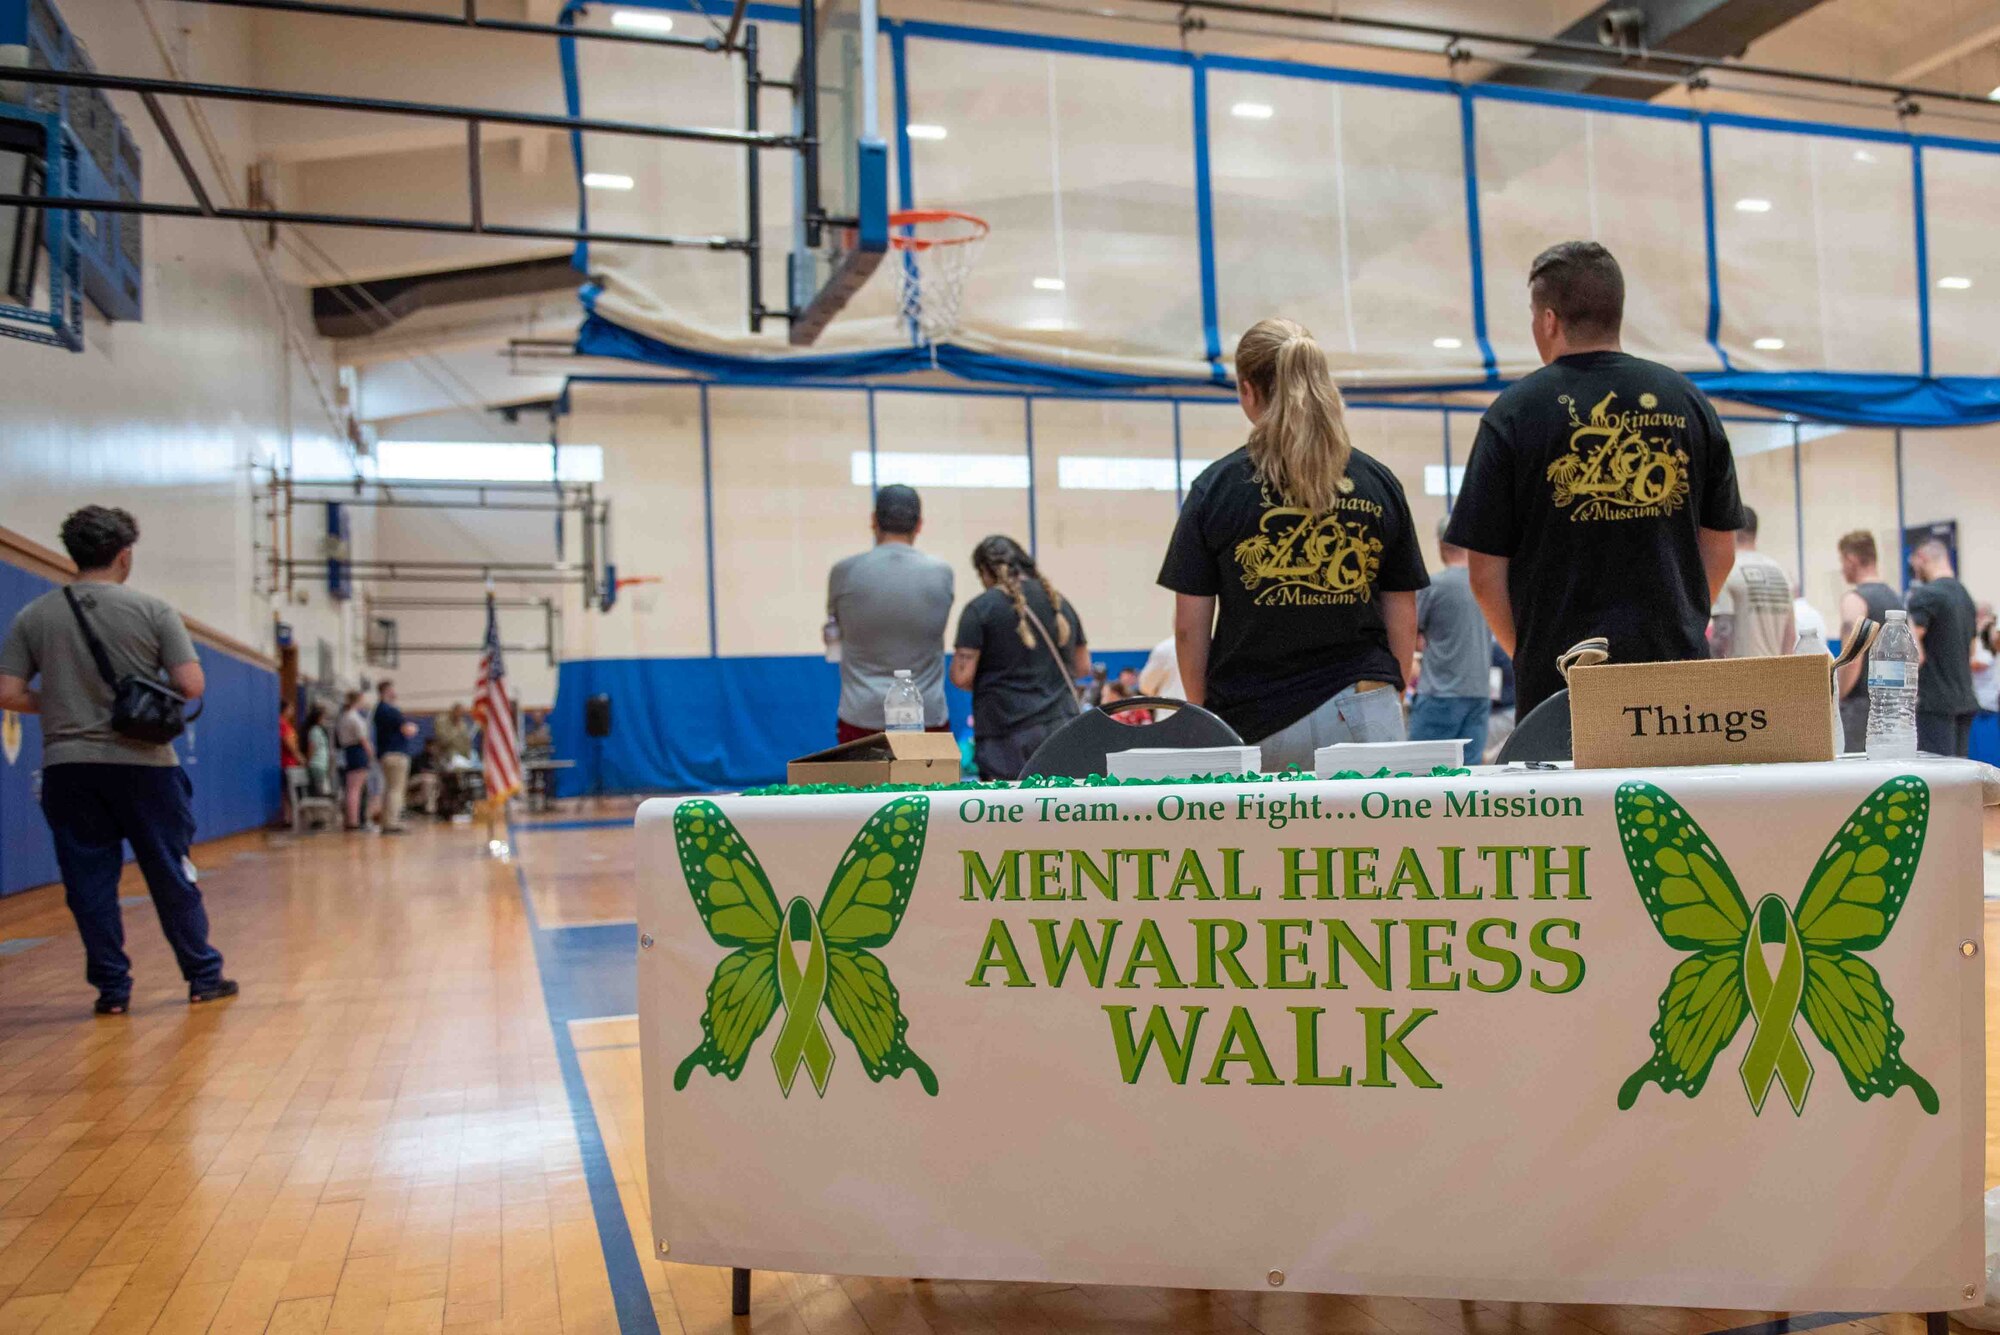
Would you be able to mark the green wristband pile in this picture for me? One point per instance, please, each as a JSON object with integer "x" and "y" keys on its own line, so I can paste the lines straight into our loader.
{"x": 1292, "y": 774}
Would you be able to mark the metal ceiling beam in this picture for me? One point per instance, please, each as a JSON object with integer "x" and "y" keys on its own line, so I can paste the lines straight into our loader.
{"x": 1714, "y": 29}
{"x": 1452, "y": 43}
{"x": 303, "y": 219}
{"x": 469, "y": 20}
{"x": 282, "y": 97}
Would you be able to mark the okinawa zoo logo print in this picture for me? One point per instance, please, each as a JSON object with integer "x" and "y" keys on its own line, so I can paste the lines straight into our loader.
{"x": 1615, "y": 469}
{"x": 1849, "y": 904}
{"x": 864, "y": 903}
{"x": 1298, "y": 558}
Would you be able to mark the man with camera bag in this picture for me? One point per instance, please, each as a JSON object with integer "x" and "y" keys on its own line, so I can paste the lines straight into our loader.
{"x": 109, "y": 772}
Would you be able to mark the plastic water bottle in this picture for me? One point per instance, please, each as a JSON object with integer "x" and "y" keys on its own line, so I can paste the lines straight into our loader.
{"x": 1892, "y": 691}
{"x": 830, "y": 635}
{"x": 1812, "y": 642}
{"x": 903, "y": 711}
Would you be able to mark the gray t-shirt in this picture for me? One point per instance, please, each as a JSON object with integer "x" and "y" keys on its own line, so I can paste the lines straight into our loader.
{"x": 142, "y": 635}
{"x": 892, "y": 603}
{"x": 351, "y": 729}
{"x": 1458, "y": 648}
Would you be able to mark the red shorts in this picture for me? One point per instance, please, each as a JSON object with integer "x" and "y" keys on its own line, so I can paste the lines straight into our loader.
{"x": 845, "y": 732}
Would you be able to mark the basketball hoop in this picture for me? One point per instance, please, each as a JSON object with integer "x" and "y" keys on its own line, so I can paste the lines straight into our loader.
{"x": 645, "y": 590}
{"x": 935, "y": 252}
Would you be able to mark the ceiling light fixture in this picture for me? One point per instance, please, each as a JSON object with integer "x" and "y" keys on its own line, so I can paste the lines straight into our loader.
{"x": 1753, "y": 206}
{"x": 1050, "y": 285}
{"x": 607, "y": 181}
{"x": 927, "y": 131}
{"x": 1252, "y": 111}
{"x": 1447, "y": 343}
{"x": 1955, "y": 283}
{"x": 638, "y": 20}
{"x": 1863, "y": 155}
{"x": 1769, "y": 345}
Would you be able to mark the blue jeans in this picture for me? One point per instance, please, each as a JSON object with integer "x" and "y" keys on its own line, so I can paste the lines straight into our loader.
{"x": 1441, "y": 717}
{"x": 93, "y": 810}
{"x": 1353, "y": 715}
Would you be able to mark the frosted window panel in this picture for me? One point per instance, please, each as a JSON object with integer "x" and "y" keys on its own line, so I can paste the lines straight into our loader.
{"x": 1816, "y": 250}
{"x": 785, "y": 511}
{"x": 487, "y": 461}
{"x": 1848, "y": 481}
{"x": 1085, "y": 169}
{"x": 1104, "y": 548}
{"x": 1961, "y": 203}
{"x": 1344, "y": 210}
{"x": 1442, "y": 481}
{"x": 651, "y": 439}
{"x": 987, "y": 436}
{"x": 1632, "y": 183}
{"x": 1089, "y": 472}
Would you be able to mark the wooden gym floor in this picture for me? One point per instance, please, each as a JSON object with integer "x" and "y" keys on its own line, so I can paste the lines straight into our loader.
{"x": 423, "y": 1114}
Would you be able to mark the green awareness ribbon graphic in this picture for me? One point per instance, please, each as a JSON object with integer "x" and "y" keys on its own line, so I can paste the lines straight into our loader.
{"x": 803, "y": 1038}
{"x": 1775, "y": 1052}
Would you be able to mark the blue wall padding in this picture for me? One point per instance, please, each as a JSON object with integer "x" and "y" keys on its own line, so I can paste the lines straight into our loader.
{"x": 231, "y": 753}
{"x": 708, "y": 724}
{"x": 1986, "y": 738}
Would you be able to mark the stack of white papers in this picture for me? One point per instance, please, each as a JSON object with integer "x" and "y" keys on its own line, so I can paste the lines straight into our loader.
{"x": 1169, "y": 762}
{"x": 1398, "y": 757}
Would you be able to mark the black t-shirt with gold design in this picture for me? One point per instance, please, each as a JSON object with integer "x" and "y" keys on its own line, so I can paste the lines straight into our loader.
{"x": 1299, "y": 618}
{"x": 1594, "y": 477}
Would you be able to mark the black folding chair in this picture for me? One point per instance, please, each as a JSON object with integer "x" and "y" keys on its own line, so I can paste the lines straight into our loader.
{"x": 1083, "y": 746}
{"x": 1543, "y": 735}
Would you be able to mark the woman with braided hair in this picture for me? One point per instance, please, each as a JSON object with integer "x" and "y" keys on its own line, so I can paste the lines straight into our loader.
{"x": 1295, "y": 565}
{"x": 1020, "y": 646}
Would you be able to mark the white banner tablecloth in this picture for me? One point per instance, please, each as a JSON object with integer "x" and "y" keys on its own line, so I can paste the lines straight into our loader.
{"x": 1366, "y": 1036}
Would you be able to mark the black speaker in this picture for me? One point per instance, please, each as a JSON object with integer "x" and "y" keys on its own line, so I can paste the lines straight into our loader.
{"x": 597, "y": 716}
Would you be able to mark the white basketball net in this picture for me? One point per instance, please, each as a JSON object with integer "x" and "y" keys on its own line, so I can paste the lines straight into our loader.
{"x": 933, "y": 255}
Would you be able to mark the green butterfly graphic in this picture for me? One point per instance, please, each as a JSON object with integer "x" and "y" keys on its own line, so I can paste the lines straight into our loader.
{"x": 863, "y": 906}
{"x": 1849, "y": 904}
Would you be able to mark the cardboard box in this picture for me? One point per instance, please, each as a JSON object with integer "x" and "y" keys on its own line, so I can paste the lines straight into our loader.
{"x": 1719, "y": 711}
{"x": 884, "y": 757}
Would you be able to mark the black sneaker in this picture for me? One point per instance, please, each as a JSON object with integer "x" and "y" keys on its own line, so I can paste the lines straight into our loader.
{"x": 112, "y": 1005}
{"x": 220, "y": 990}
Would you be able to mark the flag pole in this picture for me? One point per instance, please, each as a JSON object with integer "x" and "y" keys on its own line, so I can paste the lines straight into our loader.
{"x": 497, "y": 847}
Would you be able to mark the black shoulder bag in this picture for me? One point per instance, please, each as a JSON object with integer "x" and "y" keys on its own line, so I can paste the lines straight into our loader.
{"x": 142, "y": 709}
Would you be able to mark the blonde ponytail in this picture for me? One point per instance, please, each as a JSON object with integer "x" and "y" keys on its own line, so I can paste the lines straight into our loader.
{"x": 1299, "y": 445}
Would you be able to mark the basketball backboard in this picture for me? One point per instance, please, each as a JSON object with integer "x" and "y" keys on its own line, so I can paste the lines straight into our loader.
{"x": 841, "y": 228}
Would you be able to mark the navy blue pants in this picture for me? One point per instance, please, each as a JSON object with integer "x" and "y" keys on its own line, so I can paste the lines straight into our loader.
{"x": 93, "y": 811}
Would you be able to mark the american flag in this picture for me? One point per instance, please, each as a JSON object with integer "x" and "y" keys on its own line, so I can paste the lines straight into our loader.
{"x": 495, "y": 715}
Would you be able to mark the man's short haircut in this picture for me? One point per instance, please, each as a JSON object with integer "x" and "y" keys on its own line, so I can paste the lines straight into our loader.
{"x": 94, "y": 535}
{"x": 1749, "y": 524}
{"x": 1582, "y": 284}
{"x": 1444, "y": 524}
{"x": 385, "y": 687}
{"x": 897, "y": 509}
{"x": 1860, "y": 544}
{"x": 1933, "y": 549}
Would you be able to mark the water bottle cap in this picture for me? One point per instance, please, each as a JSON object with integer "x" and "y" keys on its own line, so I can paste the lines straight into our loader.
{"x": 1896, "y": 614}
{"x": 902, "y": 674}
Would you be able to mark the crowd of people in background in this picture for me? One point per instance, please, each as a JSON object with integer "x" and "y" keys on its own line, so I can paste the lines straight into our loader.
{"x": 377, "y": 764}
{"x": 1600, "y": 500}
